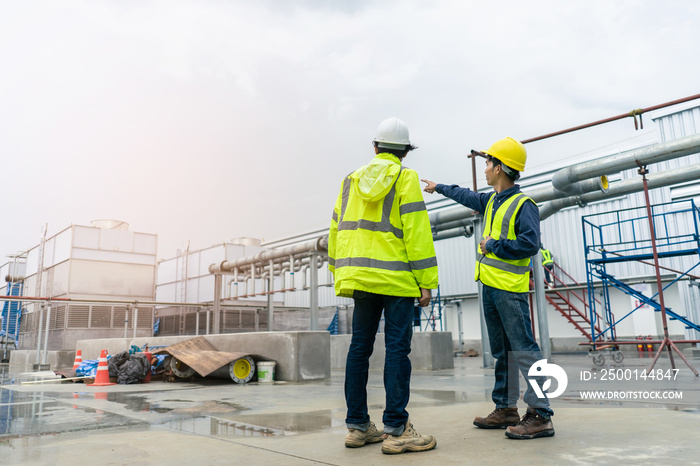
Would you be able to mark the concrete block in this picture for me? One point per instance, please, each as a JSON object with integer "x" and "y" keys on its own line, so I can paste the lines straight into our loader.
{"x": 25, "y": 359}
{"x": 430, "y": 351}
{"x": 300, "y": 356}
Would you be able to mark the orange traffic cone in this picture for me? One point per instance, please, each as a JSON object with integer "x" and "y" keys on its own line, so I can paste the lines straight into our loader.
{"x": 102, "y": 376}
{"x": 78, "y": 360}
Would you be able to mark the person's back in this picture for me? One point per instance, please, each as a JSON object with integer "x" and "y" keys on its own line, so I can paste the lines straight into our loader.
{"x": 382, "y": 243}
{"x": 380, "y": 250}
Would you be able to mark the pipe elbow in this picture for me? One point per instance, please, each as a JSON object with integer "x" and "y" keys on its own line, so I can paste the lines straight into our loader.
{"x": 563, "y": 179}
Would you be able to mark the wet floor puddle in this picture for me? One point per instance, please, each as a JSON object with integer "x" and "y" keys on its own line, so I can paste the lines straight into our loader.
{"x": 259, "y": 425}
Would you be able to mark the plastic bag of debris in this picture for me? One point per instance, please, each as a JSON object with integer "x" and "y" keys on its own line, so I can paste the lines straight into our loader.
{"x": 129, "y": 368}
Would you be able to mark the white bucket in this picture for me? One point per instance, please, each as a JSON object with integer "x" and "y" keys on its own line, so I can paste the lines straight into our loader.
{"x": 266, "y": 371}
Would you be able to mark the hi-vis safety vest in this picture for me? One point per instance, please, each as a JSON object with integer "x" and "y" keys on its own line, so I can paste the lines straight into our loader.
{"x": 380, "y": 238}
{"x": 546, "y": 256}
{"x": 504, "y": 274}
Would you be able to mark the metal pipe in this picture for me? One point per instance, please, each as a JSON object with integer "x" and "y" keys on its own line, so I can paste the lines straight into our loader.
{"x": 461, "y": 216}
{"x": 626, "y": 160}
{"x": 319, "y": 244}
{"x": 667, "y": 178}
{"x": 136, "y": 318}
{"x": 13, "y": 279}
{"x": 632, "y": 114}
{"x": 572, "y": 180}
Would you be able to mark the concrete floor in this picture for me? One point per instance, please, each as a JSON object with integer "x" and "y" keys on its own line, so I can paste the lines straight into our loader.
{"x": 216, "y": 422}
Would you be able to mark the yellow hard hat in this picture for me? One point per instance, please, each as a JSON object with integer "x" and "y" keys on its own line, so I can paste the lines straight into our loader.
{"x": 509, "y": 151}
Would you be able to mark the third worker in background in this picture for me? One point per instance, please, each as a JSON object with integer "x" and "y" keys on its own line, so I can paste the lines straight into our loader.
{"x": 511, "y": 236}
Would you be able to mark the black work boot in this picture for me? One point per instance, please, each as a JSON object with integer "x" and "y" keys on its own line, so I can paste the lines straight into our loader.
{"x": 500, "y": 418}
{"x": 531, "y": 426}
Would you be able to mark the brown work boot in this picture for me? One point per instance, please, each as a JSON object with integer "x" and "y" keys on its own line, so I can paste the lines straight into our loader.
{"x": 357, "y": 438}
{"x": 531, "y": 426}
{"x": 500, "y": 418}
{"x": 410, "y": 440}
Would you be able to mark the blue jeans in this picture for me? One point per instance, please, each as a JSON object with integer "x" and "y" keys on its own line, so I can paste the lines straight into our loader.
{"x": 398, "y": 330}
{"x": 508, "y": 322}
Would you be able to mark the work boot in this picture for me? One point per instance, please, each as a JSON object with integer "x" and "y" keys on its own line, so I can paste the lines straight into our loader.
{"x": 531, "y": 426}
{"x": 410, "y": 440}
{"x": 357, "y": 438}
{"x": 500, "y": 418}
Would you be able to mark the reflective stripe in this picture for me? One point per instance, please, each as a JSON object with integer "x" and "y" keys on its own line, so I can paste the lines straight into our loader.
{"x": 346, "y": 195}
{"x": 399, "y": 266}
{"x": 412, "y": 207}
{"x": 505, "y": 223}
{"x": 385, "y": 224}
{"x": 505, "y": 266}
{"x": 423, "y": 263}
{"x": 331, "y": 261}
{"x": 385, "y": 227}
{"x": 372, "y": 263}
{"x": 335, "y": 216}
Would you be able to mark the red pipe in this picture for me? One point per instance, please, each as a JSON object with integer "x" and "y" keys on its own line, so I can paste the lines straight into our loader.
{"x": 633, "y": 114}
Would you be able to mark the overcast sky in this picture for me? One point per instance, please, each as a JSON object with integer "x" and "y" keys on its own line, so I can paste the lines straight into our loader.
{"x": 203, "y": 121}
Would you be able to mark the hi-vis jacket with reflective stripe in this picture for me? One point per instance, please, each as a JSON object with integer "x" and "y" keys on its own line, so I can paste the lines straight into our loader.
{"x": 380, "y": 239}
{"x": 504, "y": 274}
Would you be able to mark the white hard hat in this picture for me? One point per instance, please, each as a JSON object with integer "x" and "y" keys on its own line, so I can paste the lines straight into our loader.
{"x": 393, "y": 134}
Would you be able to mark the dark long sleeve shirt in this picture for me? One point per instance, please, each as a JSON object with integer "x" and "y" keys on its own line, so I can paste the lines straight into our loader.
{"x": 527, "y": 220}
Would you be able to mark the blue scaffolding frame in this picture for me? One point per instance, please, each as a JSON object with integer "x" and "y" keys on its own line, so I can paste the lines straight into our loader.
{"x": 623, "y": 236}
{"x": 11, "y": 314}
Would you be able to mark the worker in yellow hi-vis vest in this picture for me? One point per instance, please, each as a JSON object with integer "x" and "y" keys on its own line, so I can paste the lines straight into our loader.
{"x": 548, "y": 264}
{"x": 381, "y": 253}
{"x": 511, "y": 237}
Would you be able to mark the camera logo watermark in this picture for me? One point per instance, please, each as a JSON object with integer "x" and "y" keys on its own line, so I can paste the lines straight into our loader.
{"x": 544, "y": 369}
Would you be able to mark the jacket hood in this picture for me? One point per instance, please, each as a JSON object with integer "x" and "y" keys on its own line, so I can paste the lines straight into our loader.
{"x": 375, "y": 179}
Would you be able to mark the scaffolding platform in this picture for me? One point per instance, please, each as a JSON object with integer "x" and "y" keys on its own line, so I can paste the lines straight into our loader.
{"x": 624, "y": 236}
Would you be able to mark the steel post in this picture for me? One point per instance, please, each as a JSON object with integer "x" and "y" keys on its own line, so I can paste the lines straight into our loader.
{"x": 313, "y": 291}
{"x": 541, "y": 300}
{"x": 46, "y": 333}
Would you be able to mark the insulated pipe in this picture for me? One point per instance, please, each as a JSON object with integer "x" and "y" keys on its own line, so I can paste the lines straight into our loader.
{"x": 667, "y": 178}
{"x": 316, "y": 245}
{"x": 657, "y": 180}
{"x": 459, "y": 217}
{"x": 566, "y": 181}
{"x": 625, "y": 160}
{"x": 599, "y": 183}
